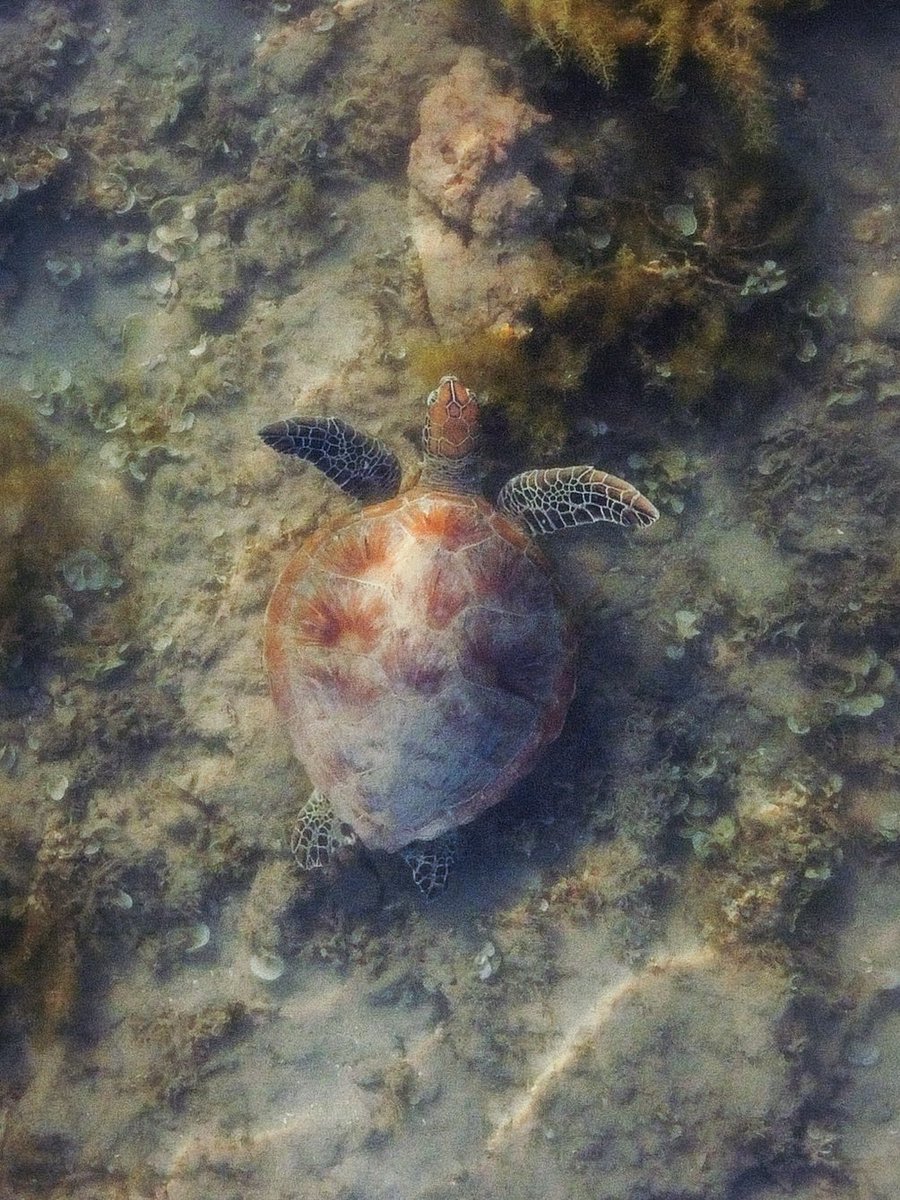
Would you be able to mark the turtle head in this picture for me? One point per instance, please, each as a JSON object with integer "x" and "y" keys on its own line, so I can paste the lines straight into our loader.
{"x": 450, "y": 437}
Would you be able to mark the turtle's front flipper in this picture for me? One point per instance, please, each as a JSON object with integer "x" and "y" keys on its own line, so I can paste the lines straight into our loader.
{"x": 317, "y": 833}
{"x": 360, "y": 465}
{"x": 430, "y": 862}
{"x": 563, "y": 497}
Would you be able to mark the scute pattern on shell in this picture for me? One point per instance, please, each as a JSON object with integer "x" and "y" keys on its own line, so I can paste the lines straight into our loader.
{"x": 421, "y": 660}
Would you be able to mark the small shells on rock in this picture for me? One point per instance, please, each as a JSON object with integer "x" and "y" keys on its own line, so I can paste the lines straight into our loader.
{"x": 888, "y": 825}
{"x": 9, "y": 759}
{"x": 114, "y": 455}
{"x": 826, "y": 302}
{"x": 172, "y": 240}
{"x": 168, "y": 208}
{"x": 686, "y": 624}
{"x": 592, "y": 428}
{"x": 182, "y": 423}
{"x": 64, "y": 269}
{"x": 267, "y": 966}
{"x": 321, "y": 20}
{"x": 861, "y": 706}
{"x": 59, "y": 380}
{"x": 53, "y": 383}
{"x": 85, "y": 571}
{"x": 197, "y": 937}
{"x": 57, "y": 790}
{"x": 862, "y": 1054}
{"x": 767, "y": 278}
{"x": 165, "y": 286}
{"x": 58, "y": 613}
{"x": 844, "y": 397}
{"x": 121, "y": 899}
{"x": 487, "y": 961}
{"x": 681, "y": 218}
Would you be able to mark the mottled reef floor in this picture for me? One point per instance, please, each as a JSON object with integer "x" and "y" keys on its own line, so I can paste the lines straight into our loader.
{"x": 669, "y": 965}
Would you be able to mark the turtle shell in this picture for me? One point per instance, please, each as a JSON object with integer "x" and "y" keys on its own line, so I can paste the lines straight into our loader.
{"x": 420, "y": 657}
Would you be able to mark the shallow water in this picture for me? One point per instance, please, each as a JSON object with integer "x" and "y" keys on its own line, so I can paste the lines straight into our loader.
{"x": 668, "y": 964}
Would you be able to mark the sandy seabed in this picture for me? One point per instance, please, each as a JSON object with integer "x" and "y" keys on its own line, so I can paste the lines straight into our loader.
{"x": 667, "y": 967}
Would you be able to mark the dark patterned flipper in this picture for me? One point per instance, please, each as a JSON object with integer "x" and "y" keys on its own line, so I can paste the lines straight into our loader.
{"x": 430, "y": 862}
{"x": 317, "y": 834}
{"x": 360, "y": 465}
{"x": 563, "y": 497}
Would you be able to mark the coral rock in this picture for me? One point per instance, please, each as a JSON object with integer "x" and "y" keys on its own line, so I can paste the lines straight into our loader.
{"x": 483, "y": 188}
{"x": 476, "y": 145}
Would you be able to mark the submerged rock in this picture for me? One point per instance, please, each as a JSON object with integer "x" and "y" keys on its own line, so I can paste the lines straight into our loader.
{"x": 478, "y": 151}
{"x": 484, "y": 188}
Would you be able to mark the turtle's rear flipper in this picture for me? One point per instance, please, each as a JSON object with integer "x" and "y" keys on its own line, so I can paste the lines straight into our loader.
{"x": 360, "y": 465}
{"x": 563, "y": 497}
{"x": 430, "y": 862}
{"x": 317, "y": 834}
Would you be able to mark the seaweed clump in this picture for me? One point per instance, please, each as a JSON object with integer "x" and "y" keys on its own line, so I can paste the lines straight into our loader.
{"x": 693, "y": 293}
{"x": 728, "y": 39}
{"x": 692, "y": 302}
{"x": 666, "y": 258}
{"x": 771, "y": 858}
{"x": 37, "y": 528}
{"x": 35, "y": 67}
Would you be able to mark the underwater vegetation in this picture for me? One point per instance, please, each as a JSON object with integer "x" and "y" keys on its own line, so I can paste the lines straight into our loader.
{"x": 175, "y": 990}
{"x": 727, "y": 39}
{"x": 758, "y": 867}
{"x": 95, "y": 890}
{"x": 48, "y": 39}
{"x": 694, "y": 302}
{"x": 654, "y": 254}
{"x": 63, "y": 535}
{"x": 35, "y": 65}
{"x": 37, "y": 529}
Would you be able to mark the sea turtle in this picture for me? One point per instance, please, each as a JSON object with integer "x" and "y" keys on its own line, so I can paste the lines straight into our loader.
{"x": 416, "y": 647}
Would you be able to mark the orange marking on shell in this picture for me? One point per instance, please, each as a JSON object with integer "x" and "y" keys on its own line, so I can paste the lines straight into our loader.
{"x": 518, "y": 537}
{"x": 342, "y": 684}
{"x": 357, "y": 550}
{"x": 326, "y": 619}
{"x": 413, "y": 669}
{"x": 444, "y": 596}
{"x": 495, "y": 575}
{"x": 455, "y": 524}
{"x": 337, "y": 765}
